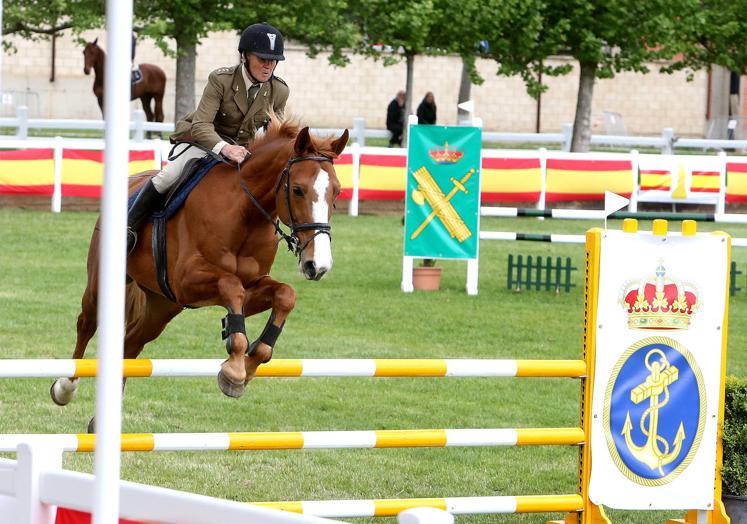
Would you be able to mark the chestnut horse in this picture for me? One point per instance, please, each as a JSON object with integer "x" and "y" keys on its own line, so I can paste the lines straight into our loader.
{"x": 150, "y": 88}
{"x": 221, "y": 246}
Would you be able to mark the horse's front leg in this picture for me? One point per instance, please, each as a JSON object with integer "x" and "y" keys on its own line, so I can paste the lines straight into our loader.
{"x": 268, "y": 293}
{"x": 232, "y": 375}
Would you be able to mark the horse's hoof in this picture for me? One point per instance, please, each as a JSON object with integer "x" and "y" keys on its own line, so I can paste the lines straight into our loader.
{"x": 229, "y": 387}
{"x": 62, "y": 391}
{"x": 92, "y": 426}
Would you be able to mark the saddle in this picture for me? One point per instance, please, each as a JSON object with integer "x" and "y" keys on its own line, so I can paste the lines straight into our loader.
{"x": 192, "y": 173}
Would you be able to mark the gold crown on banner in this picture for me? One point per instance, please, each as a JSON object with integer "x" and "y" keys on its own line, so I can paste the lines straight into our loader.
{"x": 659, "y": 302}
{"x": 446, "y": 155}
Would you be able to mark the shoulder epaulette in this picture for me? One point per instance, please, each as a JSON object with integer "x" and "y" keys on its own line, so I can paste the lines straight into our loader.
{"x": 225, "y": 70}
{"x": 280, "y": 80}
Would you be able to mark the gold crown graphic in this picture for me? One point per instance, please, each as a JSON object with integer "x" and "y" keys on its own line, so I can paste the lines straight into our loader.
{"x": 659, "y": 302}
{"x": 446, "y": 155}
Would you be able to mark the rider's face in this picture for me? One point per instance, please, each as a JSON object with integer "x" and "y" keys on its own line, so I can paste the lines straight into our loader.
{"x": 260, "y": 68}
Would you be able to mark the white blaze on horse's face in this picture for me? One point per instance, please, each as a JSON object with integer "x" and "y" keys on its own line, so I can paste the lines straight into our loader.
{"x": 322, "y": 257}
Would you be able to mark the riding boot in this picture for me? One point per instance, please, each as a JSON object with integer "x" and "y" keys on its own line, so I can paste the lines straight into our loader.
{"x": 148, "y": 201}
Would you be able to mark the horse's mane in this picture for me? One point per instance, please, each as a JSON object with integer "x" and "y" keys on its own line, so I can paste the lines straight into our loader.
{"x": 282, "y": 127}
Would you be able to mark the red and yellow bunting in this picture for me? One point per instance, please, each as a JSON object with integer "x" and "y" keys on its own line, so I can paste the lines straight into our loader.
{"x": 705, "y": 181}
{"x": 655, "y": 180}
{"x": 31, "y": 172}
{"x": 585, "y": 179}
{"x": 27, "y": 172}
{"x": 511, "y": 180}
{"x": 344, "y": 170}
{"x": 736, "y": 182}
{"x": 382, "y": 177}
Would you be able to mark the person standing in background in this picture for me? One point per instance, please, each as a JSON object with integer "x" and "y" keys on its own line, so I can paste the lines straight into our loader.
{"x": 427, "y": 110}
{"x": 395, "y": 119}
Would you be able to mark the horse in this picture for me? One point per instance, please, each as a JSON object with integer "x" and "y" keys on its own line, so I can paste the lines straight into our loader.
{"x": 151, "y": 87}
{"x": 221, "y": 245}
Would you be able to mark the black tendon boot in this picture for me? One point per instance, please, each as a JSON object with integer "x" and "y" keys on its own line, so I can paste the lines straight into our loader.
{"x": 147, "y": 202}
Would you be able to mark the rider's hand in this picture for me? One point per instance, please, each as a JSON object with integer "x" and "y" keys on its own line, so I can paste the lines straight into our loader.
{"x": 234, "y": 152}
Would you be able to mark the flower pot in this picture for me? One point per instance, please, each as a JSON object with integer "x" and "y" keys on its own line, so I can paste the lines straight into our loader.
{"x": 736, "y": 508}
{"x": 426, "y": 278}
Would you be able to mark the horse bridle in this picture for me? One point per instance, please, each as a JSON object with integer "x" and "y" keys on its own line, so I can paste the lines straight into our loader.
{"x": 292, "y": 240}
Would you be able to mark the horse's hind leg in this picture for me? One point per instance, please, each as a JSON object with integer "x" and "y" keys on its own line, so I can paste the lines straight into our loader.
{"x": 147, "y": 316}
{"x": 267, "y": 294}
{"x": 158, "y": 97}
{"x": 63, "y": 390}
{"x": 145, "y": 99}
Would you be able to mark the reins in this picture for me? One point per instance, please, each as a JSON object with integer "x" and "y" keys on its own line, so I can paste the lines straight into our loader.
{"x": 292, "y": 240}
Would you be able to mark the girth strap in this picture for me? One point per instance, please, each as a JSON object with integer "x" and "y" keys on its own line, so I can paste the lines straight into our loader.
{"x": 158, "y": 239}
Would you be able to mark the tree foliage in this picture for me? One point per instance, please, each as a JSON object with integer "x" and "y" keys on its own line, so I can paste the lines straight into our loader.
{"x": 604, "y": 37}
{"x": 40, "y": 19}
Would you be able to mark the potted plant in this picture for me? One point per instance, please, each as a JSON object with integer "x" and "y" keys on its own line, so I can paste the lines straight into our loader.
{"x": 427, "y": 276}
{"x": 734, "y": 472}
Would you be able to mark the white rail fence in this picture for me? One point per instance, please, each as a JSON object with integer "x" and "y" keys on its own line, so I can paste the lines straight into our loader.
{"x": 667, "y": 142}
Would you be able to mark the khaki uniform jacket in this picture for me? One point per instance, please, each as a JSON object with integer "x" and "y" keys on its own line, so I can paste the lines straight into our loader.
{"x": 224, "y": 112}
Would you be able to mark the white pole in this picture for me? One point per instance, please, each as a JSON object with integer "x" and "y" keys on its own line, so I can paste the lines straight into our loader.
{"x": 57, "y": 191}
{"x": 355, "y": 149}
{"x": 112, "y": 263}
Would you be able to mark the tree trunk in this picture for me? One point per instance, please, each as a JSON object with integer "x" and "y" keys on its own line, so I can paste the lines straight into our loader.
{"x": 465, "y": 90}
{"x": 582, "y": 123}
{"x": 185, "y": 78}
{"x": 410, "y": 60}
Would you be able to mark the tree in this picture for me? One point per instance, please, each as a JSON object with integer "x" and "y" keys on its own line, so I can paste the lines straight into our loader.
{"x": 604, "y": 37}
{"x": 712, "y": 32}
{"x": 35, "y": 19}
{"x": 187, "y": 21}
{"x": 396, "y": 29}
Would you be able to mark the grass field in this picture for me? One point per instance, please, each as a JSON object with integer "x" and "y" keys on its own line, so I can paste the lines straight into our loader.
{"x": 356, "y": 311}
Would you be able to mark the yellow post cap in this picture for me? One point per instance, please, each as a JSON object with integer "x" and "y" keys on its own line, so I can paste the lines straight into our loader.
{"x": 660, "y": 227}
{"x": 630, "y": 225}
{"x": 689, "y": 228}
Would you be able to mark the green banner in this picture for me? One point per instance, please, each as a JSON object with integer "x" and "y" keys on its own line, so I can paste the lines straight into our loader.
{"x": 442, "y": 203}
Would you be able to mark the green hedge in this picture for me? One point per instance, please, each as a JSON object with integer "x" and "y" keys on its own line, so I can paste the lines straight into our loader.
{"x": 734, "y": 474}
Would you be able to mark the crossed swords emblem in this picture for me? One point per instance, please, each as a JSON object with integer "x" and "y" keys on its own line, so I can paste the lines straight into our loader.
{"x": 440, "y": 204}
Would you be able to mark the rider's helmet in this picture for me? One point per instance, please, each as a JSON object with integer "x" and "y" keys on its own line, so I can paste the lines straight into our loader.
{"x": 263, "y": 40}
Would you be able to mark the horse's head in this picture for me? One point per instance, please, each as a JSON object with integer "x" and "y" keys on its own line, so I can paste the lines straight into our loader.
{"x": 90, "y": 54}
{"x": 305, "y": 199}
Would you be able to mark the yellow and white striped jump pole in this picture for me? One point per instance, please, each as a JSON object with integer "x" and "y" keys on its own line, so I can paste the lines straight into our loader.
{"x": 409, "y": 438}
{"x": 454, "y": 505}
{"x": 53, "y": 368}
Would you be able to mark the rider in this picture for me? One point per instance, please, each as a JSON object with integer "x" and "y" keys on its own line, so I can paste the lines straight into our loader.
{"x": 235, "y": 103}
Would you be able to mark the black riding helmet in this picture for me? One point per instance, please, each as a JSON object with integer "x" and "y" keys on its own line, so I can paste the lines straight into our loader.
{"x": 263, "y": 40}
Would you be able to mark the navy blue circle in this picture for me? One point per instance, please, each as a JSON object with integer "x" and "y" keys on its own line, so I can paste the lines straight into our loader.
{"x": 683, "y": 407}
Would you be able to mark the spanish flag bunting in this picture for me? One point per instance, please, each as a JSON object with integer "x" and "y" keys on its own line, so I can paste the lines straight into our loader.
{"x": 736, "y": 182}
{"x": 511, "y": 180}
{"x": 587, "y": 179}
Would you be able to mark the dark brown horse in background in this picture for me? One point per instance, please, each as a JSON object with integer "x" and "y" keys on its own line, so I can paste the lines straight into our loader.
{"x": 221, "y": 246}
{"x": 150, "y": 88}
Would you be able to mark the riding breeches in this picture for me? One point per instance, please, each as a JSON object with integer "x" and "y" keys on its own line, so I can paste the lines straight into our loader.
{"x": 169, "y": 174}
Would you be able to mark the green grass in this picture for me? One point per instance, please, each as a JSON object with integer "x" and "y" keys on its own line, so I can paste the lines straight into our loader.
{"x": 357, "y": 311}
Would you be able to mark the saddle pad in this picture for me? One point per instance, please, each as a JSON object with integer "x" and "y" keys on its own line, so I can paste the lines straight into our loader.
{"x": 136, "y": 76}
{"x": 177, "y": 200}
